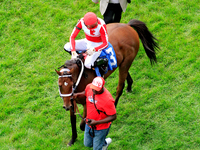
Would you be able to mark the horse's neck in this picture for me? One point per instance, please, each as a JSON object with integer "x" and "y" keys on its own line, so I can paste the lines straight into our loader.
{"x": 75, "y": 73}
{"x": 87, "y": 77}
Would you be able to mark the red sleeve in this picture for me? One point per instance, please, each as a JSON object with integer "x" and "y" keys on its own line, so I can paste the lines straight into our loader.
{"x": 74, "y": 34}
{"x": 104, "y": 38}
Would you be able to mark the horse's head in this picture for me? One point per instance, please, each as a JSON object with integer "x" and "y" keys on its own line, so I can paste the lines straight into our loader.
{"x": 65, "y": 83}
{"x": 68, "y": 76}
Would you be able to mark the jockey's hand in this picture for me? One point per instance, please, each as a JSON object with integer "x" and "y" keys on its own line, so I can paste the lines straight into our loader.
{"x": 90, "y": 51}
{"x": 74, "y": 55}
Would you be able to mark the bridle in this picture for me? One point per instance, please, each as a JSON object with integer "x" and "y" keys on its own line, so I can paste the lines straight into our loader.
{"x": 74, "y": 87}
{"x": 62, "y": 76}
{"x": 69, "y": 75}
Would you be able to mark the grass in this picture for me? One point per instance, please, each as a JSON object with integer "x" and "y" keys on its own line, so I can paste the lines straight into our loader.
{"x": 161, "y": 112}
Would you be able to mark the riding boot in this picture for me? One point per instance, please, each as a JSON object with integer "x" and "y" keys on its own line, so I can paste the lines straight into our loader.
{"x": 104, "y": 67}
{"x": 102, "y": 64}
{"x": 68, "y": 51}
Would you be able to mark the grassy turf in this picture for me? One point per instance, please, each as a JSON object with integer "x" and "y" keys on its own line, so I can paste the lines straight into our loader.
{"x": 161, "y": 112}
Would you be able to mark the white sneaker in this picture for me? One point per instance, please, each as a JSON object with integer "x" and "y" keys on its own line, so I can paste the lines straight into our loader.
{"x": 108, "y": 141}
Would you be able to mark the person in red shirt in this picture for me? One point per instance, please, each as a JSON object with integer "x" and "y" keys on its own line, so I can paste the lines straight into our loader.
{"x": 96, "y": 38}
{"x": 100, "y": 113}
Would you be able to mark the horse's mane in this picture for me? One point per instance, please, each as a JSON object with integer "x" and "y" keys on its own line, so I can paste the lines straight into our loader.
{"x": 69, "y": 63}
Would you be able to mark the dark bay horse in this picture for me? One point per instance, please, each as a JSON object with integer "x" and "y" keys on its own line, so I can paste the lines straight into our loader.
{"x": 125, "y": 41}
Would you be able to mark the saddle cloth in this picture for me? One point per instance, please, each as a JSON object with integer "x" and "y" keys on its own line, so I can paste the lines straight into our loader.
{"x": 108, "y": 53}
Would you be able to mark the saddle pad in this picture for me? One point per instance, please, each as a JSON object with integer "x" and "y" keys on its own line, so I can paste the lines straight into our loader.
{"x": 108, "y": 53}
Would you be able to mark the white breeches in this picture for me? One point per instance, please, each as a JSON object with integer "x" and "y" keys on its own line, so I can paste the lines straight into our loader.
{"x": 82, "y": 45}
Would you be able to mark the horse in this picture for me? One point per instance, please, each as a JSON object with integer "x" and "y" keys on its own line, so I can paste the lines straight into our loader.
{"x": 125, "y": 39}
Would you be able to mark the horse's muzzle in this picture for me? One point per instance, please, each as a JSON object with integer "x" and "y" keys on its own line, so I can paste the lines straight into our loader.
{"x": 67, "y": 108}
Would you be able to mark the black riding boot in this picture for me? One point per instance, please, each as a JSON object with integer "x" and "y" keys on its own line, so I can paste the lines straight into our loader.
{"x": 102, "y": 64}
{"x": 68, "y": 51}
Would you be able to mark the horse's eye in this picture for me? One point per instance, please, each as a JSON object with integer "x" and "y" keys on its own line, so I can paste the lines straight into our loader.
{"x": 65, "y": 83}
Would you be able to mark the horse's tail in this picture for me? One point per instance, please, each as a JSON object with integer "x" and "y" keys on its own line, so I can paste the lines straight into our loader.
{"x": 148, "y": 40}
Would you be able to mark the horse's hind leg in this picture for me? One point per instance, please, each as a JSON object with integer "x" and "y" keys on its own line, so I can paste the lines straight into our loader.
{"x": 123, "y": 75}
{"x": 129, "y": 82}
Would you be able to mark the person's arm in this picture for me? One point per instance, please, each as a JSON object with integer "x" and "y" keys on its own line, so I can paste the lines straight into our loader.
{"x": 106, "y": 120}
{"x": 79, "y": 96}
{"x": 74, "y": 33}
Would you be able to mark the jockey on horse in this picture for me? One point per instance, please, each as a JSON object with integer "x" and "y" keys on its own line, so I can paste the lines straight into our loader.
{"x": 125, "y": 39}
{"x": 96, "y": 40}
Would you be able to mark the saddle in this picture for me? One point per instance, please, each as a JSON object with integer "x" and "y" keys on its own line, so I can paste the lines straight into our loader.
{"x": 100, "y": 65}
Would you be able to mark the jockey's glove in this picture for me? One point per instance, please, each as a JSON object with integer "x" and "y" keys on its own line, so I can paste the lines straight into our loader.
{"x": 90, "y": 51}
{"x": 74, "y": 55}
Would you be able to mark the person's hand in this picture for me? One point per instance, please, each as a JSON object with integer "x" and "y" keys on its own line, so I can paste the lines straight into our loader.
{"x": 91, "y": 122}
{"x": 90, "y": 51}
{"x": 74, "y": 55}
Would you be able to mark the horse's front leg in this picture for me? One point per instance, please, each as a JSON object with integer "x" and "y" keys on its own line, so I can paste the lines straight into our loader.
{"x": 74, "y": 131}
{"x": 82, "y": 124}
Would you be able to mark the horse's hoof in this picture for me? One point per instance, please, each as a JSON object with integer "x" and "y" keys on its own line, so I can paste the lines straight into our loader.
{"x": 71, "y": 142}
{"x": 82, "y": 126}
{"x": 128, "y": 90}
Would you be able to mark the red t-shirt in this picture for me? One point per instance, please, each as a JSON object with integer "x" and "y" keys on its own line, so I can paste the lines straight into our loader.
{"x": 103, "y": 102}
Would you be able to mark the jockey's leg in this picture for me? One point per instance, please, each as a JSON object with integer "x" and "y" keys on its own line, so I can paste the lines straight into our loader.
{"x": 89, "y": 61}
{"x": 81, "y": 45}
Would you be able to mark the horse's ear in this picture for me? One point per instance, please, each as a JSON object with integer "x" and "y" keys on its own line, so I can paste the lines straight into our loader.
{"x": 58, "y": 72}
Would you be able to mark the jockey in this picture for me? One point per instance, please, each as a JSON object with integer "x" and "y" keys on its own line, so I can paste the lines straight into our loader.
{"x": 96, "y": 38}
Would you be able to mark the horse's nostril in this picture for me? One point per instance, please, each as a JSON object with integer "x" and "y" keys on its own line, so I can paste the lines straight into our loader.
{"x": 66, "y": 108}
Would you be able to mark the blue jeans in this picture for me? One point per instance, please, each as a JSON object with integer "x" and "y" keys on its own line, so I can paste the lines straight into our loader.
{"x": 98, "y": 141}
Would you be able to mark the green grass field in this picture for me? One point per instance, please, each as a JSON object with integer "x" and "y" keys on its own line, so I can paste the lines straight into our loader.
{"x": 161, "y": 112}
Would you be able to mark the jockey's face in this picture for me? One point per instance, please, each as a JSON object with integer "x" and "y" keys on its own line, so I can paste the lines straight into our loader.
{"x": 92, "y": 26}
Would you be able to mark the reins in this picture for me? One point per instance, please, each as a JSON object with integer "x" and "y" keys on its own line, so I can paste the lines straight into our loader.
{"x": 74, "y": 88}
